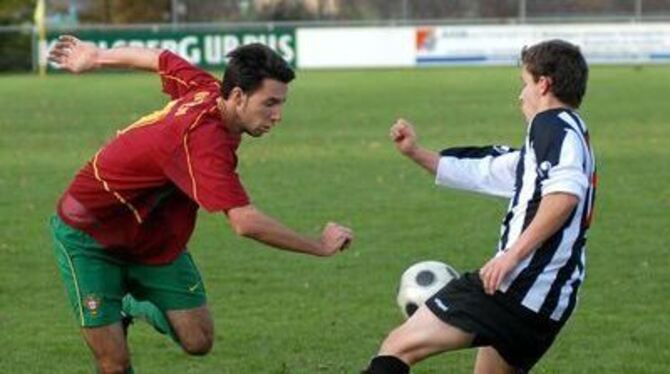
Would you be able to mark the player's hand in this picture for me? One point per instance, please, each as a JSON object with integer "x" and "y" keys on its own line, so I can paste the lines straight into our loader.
{"x": 494, "y": 272}
{"x": 403, "y": 135}
{"x": 74, "y": 55}
{"x": 335, "y": 238}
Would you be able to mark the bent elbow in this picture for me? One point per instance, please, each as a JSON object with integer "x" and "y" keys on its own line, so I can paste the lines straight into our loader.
{"x": 244, "y": 221}
{"x": 242, "y": 229}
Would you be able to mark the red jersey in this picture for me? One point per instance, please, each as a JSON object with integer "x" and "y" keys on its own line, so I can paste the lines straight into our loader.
{"x": 140, "y": 193}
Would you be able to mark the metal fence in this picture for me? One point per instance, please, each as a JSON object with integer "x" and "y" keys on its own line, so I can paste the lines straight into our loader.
{"x": 180, "y": 15}
{"x": 511, "y": 11}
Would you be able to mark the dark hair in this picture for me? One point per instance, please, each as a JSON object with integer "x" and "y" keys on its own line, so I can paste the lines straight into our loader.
{"x": 564, "y": 64}
{"x": 249, "y": 65}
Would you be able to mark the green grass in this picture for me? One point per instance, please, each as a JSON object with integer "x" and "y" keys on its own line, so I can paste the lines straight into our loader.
{"x": 330, "y": 159}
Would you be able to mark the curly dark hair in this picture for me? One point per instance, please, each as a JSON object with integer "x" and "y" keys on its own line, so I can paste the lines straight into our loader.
{"x": 250, "y": 64}
{"x": 564, "y": 64}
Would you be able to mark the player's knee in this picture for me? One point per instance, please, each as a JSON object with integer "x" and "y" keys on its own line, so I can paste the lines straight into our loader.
{"x": 198, "y": 343}
{"x": 198, "y": 347}
{"x": 398, "y": 344}
{"x": 392, "y": 345}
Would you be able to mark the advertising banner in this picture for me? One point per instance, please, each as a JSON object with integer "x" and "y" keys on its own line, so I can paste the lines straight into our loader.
{"x": 356, "y": 47}
{"x": 387, "y": 47}
{"x": 206, "y": 48}
{"x": 501, "y": 45}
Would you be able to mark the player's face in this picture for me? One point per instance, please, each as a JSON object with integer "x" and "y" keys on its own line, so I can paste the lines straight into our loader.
{"x": 262, "y": 110}
{"x": 530, "y": 95}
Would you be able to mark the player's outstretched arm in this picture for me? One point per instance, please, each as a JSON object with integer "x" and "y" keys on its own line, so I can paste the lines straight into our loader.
{"x": 252, "y": 223}
{"x": 77, "y": 56}
{"x": 404, "y": 136}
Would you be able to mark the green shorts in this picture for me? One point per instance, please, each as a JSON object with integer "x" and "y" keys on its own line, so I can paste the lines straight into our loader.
{"x": 96, "y": 281}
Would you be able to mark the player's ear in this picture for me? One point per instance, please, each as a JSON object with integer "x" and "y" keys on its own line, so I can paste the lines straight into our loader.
{"x": 545, "y": 84}
{"x": 238, "y": 96}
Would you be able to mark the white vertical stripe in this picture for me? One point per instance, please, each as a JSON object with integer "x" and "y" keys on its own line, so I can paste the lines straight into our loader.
{"x": 590, "y": 160}
{"x": 577, "y": 125}
{"x": 579, "y": 129}
{"x": 519, "y": 210}
{"x": 569, "y": 174}
{"x": 540, "y": 289}
{"x": 504, "y": 286}
{"x": 503, "y": 226}
{"x": 564, "y": 297}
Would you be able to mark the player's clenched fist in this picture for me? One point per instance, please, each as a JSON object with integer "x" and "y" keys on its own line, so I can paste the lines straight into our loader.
{"x": 335, "y": 238}
{"x": 403, "y": 135}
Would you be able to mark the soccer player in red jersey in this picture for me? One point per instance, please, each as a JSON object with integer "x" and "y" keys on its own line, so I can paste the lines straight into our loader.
{"x": 122, "y": 226}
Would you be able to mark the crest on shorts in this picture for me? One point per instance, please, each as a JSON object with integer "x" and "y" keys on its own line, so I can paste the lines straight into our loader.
{"x": 92, "y": 303}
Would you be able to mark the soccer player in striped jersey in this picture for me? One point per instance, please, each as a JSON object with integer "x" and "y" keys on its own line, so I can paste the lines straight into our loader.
{"x": 513, "y": 307}
{"x": 123, "y": 224}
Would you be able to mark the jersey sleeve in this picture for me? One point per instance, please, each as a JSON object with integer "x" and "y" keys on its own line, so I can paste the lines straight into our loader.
{"x": 179, "y": 76}
{"x": 560, "y": 157}
{"x": 204, "y": 168}
{"x": 490, "y": 170}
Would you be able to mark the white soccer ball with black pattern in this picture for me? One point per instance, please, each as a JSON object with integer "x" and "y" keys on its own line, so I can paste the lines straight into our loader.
{"x": 421, "y": 281}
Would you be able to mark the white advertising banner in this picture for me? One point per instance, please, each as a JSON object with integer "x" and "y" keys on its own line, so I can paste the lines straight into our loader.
{"x": 501, "y": 45}
{"x": 361, "y": 47}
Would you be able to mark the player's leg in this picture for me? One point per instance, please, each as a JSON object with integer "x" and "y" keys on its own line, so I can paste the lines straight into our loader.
{"x": 109, "y": 347}
{"x": 421, "y": 336}
{"x": 94, "y": 284}
{"x": 195, "y": 329}
{"x": 424, "y": 335}
{"x": 192, "y": 328}
{"x": 172, "y": 299}
{"x": 134, "y": 309}
{"x": 489, "y": 361}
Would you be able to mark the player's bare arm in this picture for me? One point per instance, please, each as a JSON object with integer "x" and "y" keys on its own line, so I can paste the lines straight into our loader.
{"x": 250, "y": 222}
{"x": 554, "y": 210}
{"x": 77, "y": 56}
{"x": 404, "y": 136}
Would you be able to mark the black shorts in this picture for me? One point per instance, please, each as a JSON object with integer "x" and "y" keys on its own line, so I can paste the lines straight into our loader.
{"x": 518, "y": 334}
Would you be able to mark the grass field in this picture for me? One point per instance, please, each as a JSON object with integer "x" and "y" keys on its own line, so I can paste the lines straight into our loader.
{"x": 330, "y": 159}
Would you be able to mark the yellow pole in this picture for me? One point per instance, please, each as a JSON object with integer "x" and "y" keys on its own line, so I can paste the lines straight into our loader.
{"x": 40, "y": 26}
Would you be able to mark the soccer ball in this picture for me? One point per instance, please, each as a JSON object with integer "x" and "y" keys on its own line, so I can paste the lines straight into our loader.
{"x": 421, "y": 281}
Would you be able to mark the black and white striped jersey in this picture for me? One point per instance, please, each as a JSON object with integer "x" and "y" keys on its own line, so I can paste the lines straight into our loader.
{"x": 556, "y": 157}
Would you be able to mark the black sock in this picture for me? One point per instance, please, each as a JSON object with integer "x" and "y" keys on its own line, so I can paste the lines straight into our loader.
{"x": 387, "y": 365}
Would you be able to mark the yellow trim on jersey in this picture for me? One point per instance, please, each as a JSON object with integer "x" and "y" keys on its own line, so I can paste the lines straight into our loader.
{"x": 174, "y": 78}
{"x": 198, "y": 99}
{"x": 108, "y": 189}
{"x": 74, "y": 279}
{"x": 194, "y": 186}
{"x": 149, "y": 119}
{"x": 189, "y": 83}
